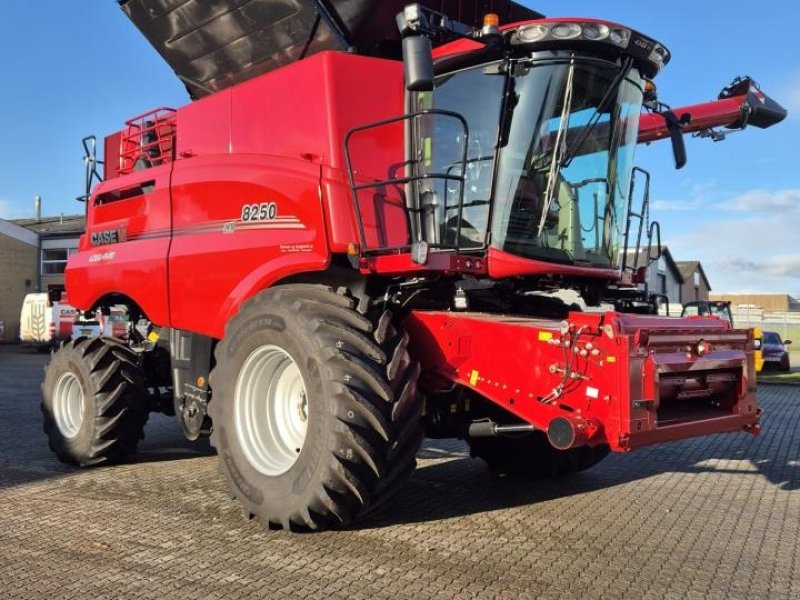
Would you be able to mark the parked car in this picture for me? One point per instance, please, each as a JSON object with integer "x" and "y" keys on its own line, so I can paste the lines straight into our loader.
{"x": 776, "y": 353}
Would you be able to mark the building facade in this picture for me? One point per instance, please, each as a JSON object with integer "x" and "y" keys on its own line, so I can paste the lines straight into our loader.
{"x": 767, "y": 302}
{"x": 695, "y": 284}
{"x": 662, "y": 276}
{"x": 19, "y": 249}
{"x": 33, "y": 257}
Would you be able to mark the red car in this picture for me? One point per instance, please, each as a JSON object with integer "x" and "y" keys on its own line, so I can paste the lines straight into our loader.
{"x": 776, "y": 353}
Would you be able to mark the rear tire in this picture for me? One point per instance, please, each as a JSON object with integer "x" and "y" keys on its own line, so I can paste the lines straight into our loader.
{"x": 94, "y": 402}
{"x": 315, "y": 407}
{"x": 533, "y": 456}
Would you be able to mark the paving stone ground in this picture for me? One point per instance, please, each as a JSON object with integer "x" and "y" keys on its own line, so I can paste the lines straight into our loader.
{"x": 717, "y": 517}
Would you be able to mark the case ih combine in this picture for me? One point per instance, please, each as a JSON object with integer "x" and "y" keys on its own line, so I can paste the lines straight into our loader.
{"x": 349, "y": 241}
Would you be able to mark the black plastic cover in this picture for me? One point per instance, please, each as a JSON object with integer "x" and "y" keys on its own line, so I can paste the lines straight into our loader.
{"x": 213, "y": 44}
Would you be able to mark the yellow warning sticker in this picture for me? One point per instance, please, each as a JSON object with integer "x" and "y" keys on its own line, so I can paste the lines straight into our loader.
{"x": 153, "y": 336}
{"x": 545, "y": 336}
{"x": 611, "y": 359}
{"x": 473, "y": 377}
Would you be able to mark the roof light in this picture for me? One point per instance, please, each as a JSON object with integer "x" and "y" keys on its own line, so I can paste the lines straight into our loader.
{"x": 532, "y": 33}
{"x": 491, "y": 20}
{"x": 620, "y": 37}
{"x": 571, "y": 30}
{"x": 491, "y": 25}
{"x": 566, "y": 31}
{"x": 653, "y": 54}
{"x": 595, "y": 32}
{"x": 660, "y": 55}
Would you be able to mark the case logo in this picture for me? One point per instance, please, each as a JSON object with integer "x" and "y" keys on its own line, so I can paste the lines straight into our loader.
{"x": 108, "y": 236}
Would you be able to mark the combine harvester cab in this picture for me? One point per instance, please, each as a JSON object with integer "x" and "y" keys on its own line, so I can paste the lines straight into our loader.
{"x": 380, "y": 222}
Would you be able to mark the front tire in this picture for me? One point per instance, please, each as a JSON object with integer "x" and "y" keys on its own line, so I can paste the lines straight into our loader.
{"x": 315, "y": 407}
{"x": 94, "y": 402}
{"x": 533, "y": 456}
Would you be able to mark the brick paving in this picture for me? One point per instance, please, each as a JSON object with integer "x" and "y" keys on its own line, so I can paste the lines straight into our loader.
{"x": 717, "y": 517}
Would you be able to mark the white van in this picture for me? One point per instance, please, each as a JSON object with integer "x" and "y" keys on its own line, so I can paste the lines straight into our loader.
{"x": 44, "y": 323}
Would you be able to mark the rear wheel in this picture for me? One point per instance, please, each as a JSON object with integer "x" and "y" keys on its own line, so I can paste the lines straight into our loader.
{"x": 315, "y": 407}
{"x": 531, "y": 455}
{"x": 94, "y": 402}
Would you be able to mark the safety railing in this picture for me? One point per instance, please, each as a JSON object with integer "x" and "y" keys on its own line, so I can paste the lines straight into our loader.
{"x": 148, "y": 140}
{"x": 409, "y": 182}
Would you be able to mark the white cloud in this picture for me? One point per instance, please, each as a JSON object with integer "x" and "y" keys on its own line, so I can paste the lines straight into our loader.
{"x": 774, "y": 266}
{"x": 763, "y": 201}
{"x": 676, "y": 205}
{"x": 752, "y": 245}
{"x": 698, "y": 196}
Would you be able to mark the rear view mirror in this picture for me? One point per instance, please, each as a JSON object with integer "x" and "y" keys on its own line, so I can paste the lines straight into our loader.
{"x": 675, "y": 127}
{"x": 678, "y": 147}
{"x": 418, "y": 63}
{"x": 415, "y": 30}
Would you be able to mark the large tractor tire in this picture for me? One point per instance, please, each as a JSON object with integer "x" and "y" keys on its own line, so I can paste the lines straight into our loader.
{"x": 315, "y": 408}
{"x": 94, "y": 402}
{"x": 532, "y": 456}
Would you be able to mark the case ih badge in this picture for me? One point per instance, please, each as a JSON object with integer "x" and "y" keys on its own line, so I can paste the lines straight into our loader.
{"x": 108, "y": 236}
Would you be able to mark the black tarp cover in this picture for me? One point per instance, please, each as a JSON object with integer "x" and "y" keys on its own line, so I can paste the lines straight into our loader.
{"x": 213, "y": 44}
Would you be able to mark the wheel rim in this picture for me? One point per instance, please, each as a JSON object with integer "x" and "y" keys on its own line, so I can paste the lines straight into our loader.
{"x": 68, "y": 402}
{"x": 271, "y": 410}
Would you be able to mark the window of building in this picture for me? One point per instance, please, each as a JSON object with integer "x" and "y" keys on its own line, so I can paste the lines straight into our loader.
{"x": 662, "y": 283}
{"x": 54, "y": 260}
{"x": 697, "y": 277}
{"x": 662, "y": 265}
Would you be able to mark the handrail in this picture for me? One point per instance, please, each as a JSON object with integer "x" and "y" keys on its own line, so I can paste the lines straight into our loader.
{"x": 355, "y": 188}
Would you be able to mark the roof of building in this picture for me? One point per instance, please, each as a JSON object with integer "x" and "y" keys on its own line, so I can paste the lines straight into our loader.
{"x": 60, "y": 225}
{"x": 687, "y": 269}
{"x": 21, "y": 234}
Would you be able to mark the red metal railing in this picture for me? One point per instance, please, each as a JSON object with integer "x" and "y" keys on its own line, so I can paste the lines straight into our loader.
{"x": 147, "y": 140}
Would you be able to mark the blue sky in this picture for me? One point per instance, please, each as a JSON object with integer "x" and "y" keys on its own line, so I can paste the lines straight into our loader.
{"x": 73, "y": 68}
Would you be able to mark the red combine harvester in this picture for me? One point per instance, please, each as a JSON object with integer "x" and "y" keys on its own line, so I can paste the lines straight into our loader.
{"x": 376, "y": 223}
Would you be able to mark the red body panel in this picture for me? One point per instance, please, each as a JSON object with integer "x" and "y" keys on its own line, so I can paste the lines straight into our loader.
{"x": 637, "y": 379}
{"x": 502, "y": 264}
{"x": 182, "y": 250}
{"x": 135, "y": 266}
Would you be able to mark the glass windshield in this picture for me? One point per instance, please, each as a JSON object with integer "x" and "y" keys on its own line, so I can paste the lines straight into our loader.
{"x": 477, "y": 95}
{"x": 564, "y": 174}
{"x": 558, "y": 187}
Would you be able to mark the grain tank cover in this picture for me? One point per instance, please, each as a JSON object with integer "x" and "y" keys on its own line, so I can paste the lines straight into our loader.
{"x": 213, "y": 44}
